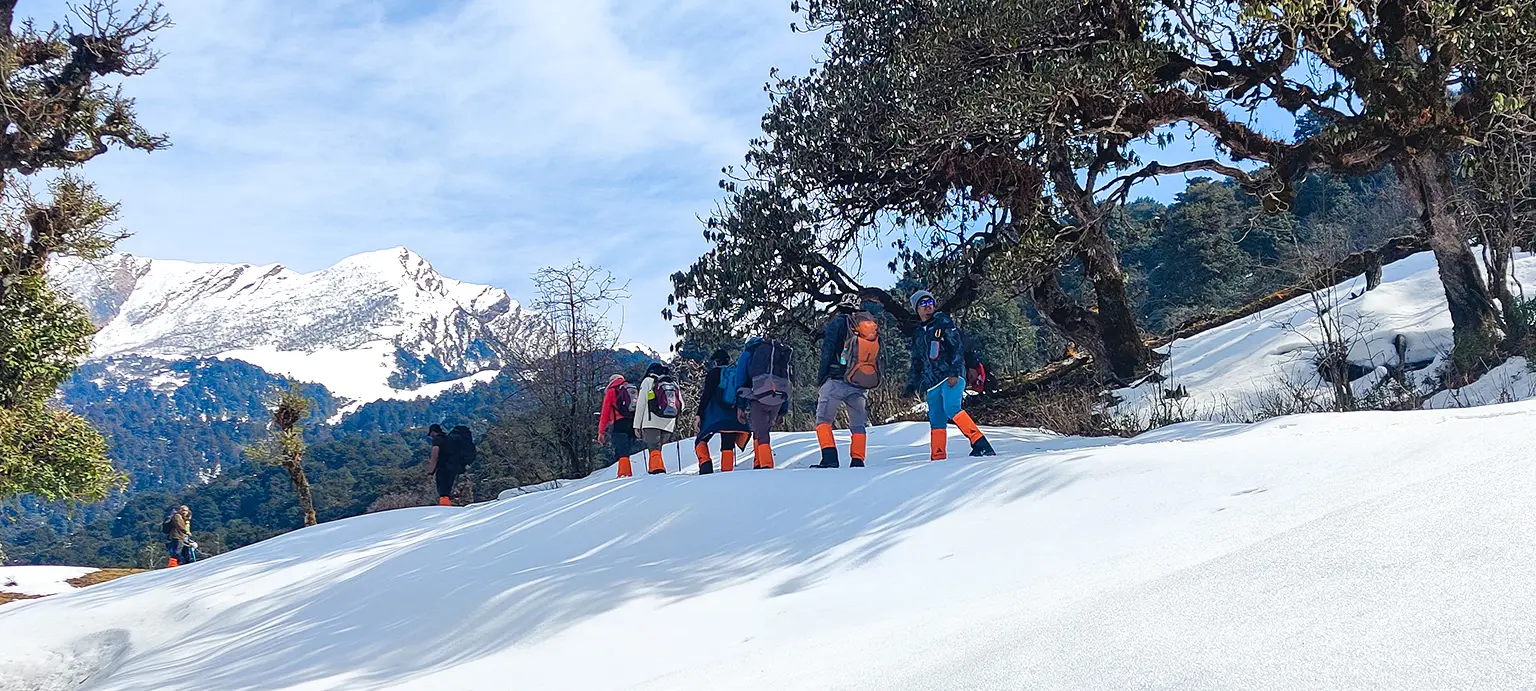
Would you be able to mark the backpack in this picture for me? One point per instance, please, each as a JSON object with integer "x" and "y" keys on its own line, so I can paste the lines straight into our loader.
{"x": 459, "y": 447}
{"x": 666, "y": 400}
{"x": 975, "y": 372}
{"x": 168, "y": 526}
{"x": 767, "y": 370}
{"x": 731, "y": 380}
{"x": 625, "y": 398}
{"x": 976, "y": 377}
{"x": 861, "y": 351}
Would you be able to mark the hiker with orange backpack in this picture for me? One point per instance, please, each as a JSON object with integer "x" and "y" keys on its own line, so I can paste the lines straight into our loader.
{"x": 938, "y": 368}
{"x": 616, "y": 423}
{"x": 850, "y": 366}
{"x": 716, "y": 417}
{"x": 656, "y": 413}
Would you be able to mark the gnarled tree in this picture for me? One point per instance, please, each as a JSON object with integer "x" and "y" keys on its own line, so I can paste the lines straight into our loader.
{"x": 60, "y": 107}
{"x": 1406, "y": 83}
{"x": 952, "y": 131}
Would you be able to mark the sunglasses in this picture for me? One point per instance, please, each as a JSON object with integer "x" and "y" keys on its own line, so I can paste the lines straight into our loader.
{"x": 925, "y": 302}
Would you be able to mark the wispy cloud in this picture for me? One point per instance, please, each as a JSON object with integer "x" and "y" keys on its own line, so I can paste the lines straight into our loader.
{"x": 492, "y": 136}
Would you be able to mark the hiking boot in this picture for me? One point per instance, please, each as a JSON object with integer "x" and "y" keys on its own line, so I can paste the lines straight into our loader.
{"x": 828, "y": 458}
{"x": 659, "y": 471}
{"x": 856, "y": 463}
{"x": 706, "y": 467}
{"x": 982, "y": 447}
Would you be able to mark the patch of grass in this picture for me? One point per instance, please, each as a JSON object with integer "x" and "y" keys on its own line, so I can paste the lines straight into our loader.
{"x": 6, "y": 598}
{"x": 90, "y": 579}
{"x": 102, "y": 576}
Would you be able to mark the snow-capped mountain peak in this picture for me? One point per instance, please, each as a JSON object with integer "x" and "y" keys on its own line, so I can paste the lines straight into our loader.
{"x": 374, "y": 325}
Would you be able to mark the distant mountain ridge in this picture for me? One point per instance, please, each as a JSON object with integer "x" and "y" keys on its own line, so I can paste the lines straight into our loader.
{"x": 374, "y": 326}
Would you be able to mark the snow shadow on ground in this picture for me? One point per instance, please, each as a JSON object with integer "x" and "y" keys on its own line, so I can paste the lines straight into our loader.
{"x": 504, "y": 574}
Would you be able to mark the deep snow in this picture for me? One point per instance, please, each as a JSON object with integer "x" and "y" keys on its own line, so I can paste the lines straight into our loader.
{"x": 1362, "y": 550}
{"x": 1230, "y": 371}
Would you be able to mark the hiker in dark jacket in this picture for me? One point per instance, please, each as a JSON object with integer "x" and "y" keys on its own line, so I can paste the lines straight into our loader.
{"x": 178, "y": 536}
{"x": 938, "y": 369}
{"x": 764, "y": 397}
{"x": 715, "y": 417}
{"x": 616, "y": 423}
{"x": 443, "y": 470}
{"x": 836, "y": 388}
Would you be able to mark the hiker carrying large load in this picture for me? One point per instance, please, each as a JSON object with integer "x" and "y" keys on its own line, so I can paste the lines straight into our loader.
{"x": 850, "y": 366}
{"x": 656, "y": 413}
{"x": 759, "y": 388}
{"x": 452, "y": 453}
{"x": 717, "y": 417}
{"x": 616, "y": 423}
{"x": 938, "y": 368}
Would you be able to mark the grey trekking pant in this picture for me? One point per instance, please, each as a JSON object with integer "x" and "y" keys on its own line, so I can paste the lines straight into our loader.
{"x": 761, "y": 417}
{"x": 837, "y": 393}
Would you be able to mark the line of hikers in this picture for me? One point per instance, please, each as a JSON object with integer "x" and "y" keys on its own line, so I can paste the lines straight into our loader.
{"x": 741, "y": 401}
{"x": 744, "y": 399}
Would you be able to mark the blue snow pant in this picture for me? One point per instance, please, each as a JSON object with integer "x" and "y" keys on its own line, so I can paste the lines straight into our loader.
{"x": 944, "y": 402}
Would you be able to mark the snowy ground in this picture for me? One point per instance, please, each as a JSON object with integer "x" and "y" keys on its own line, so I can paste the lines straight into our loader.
{"x": 39, "y": 580}
{"x": 1364, "y": 550}
{"x": 1239, "y": 369}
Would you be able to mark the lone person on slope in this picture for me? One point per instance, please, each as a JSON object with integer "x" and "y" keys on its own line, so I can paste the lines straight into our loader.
{"x": 443, "y": 471}
{"x": 178, "y": 537}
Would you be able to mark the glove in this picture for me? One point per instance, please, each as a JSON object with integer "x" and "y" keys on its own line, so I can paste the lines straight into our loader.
{"x": 909, "y": 392}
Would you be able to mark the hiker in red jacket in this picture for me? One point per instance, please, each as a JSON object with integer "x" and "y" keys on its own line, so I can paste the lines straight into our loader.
{"x": 616, "y": 423}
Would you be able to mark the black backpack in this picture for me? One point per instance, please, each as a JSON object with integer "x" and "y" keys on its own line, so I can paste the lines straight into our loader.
{"x": 459, "y": 447}
{"x": 168, "y": 526}
{"x": 767, "y": 375}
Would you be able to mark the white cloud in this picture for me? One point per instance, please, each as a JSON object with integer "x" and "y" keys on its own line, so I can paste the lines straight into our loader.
{"x": 492, "y": 136}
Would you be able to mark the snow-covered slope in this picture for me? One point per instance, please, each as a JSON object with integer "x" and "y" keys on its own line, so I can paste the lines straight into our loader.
{"x": 39, "y": 580}
{"x": 1237, "y": 370}
{"x": 1363, "y": 550}
{"x": 350, "y": 327}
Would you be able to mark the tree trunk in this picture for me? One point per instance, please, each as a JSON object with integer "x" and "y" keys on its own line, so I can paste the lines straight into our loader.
{"x": 1063, "y": 315}
{"x": 1500, "y": 253}
{"x": 295, "y": 469}
{"x": 1126, "y": 352}
{"x": 1474, "y": 322}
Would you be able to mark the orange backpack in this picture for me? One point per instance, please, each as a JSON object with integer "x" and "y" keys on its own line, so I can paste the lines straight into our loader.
{"x": 861, "y": 351}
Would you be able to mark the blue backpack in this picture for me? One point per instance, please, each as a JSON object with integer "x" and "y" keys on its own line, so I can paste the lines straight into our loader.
{"x": 730, "y": 381}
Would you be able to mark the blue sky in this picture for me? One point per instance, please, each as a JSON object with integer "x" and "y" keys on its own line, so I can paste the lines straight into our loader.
{"x": 493, "y": 137}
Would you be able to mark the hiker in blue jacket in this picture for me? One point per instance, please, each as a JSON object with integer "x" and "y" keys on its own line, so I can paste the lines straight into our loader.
{"x": 717, "y": 417}
{"x": 938, "y": 369}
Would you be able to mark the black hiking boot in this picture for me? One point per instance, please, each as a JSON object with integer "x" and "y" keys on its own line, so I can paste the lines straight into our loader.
{"x": 856, "y": 463}
{"x": 982, "y": 447}
{"x": 706, "y": 467}
{"x": 828, "y": 458}
{"x": 658, "y": 472}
